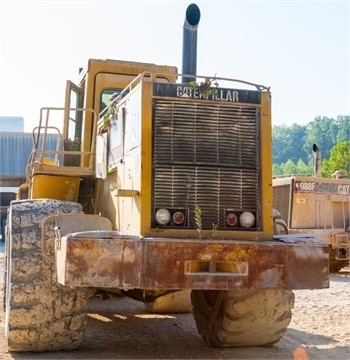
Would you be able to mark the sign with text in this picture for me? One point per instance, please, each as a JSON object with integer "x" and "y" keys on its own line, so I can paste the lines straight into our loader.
{"x": 213, "y": 93}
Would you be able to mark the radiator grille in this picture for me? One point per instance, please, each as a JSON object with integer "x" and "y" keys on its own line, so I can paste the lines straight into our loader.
{"x": 206, "y": 154}
{"x": 281, "y": 201}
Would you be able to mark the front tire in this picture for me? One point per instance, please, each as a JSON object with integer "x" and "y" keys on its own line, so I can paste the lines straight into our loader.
{"x": 242, "y": 317}
{"x": 41, "y": 315}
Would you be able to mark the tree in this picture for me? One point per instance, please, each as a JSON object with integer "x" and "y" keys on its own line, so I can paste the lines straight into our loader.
{"x": 322, "y": 131}
{"x": 338, "y": 160}
{"x": 304, "y": 169}
{"x": 289, "y": 168}
{"x": 292, "y": 145}
{"x": 344, "y": 128}
{"x": 288, "y": 143}
{"x": 277, "y": 170}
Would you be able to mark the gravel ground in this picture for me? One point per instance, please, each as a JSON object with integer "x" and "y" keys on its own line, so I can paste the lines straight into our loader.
{"x": 120, "y": 328}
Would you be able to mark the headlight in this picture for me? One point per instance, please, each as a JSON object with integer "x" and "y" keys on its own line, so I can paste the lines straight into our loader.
{"x": 247, "y": 219}
{"x": 162, "y": 216}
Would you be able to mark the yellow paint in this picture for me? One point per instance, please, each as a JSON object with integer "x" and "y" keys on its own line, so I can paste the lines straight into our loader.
{"x": 49, "y": 161}
{"x": 104, "y": 74}
{"x": 302, "y": 201}
{"x": 266, "y": 166}
{"x": 146, "y": 157}
{"x": 55, "y": 187}
{"x": 128, "y": 193}
{"x": 127, "y": 199}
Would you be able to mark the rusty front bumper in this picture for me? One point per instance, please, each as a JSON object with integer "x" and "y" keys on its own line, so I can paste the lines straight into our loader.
{"x": 106, "y": 259}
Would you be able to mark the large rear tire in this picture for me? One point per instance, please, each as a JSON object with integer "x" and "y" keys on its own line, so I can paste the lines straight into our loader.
{"x": 41, "y": 315}
{"x": 242, "y": 317}
{"x": 175, "y": 302}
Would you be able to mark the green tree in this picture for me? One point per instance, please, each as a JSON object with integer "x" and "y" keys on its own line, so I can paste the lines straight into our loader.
{"x": 277, "y": 170}
{"x": 344, "y": 128}
{"x": 339, "y": 160}
{"x": 295, "y": 143}
{"x": 289, "y": 168}
{"x": 304, "y": 169}
{"x": 322, "y": 131}
{"x": 288, "y": 143}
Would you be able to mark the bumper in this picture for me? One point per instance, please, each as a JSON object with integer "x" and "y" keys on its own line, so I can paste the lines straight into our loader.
{"x": 106, "y": 259}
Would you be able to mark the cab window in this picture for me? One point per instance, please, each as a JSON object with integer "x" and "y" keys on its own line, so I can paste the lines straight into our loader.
{"x": 107, "y": 96}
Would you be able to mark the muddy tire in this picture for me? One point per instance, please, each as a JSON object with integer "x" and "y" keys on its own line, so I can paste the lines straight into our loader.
{"x": 335, "y": 265}
{"x": 176, "y": 302}
{"x": 41, "y": 315}
{"x": 279, "y": 224}
{"x": 242, "y": 317}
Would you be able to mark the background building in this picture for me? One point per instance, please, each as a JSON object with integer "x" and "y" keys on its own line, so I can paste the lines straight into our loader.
{"x": 15, "y": 148}
{"x": 11, "y": 124}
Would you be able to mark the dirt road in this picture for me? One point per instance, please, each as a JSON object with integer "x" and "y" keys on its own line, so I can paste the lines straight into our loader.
{"x": 120, "y": 328}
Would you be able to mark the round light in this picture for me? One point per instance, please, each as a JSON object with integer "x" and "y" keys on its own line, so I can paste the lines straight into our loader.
{"x": 178, "y": 217}
{"x": 247, "y": 219}
{"x": 231, "y": 219}
{"x": 163, "y": 216}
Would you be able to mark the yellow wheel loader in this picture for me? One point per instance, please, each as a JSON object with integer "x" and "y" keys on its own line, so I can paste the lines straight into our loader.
{"x": 160, "y": 184}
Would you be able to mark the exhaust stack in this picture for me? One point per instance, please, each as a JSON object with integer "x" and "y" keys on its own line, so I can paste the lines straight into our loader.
{"x": 317, "y": 161}
{"x": 189, "y": 47}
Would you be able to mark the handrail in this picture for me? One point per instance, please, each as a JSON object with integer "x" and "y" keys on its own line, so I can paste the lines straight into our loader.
{"x": 36, "y": 142}
{"x": 155, "y": 75}
{"x": 42, "y": 133}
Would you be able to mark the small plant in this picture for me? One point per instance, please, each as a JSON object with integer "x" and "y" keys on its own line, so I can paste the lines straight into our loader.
{"x": 206, "y": 87}
{"x": 192, "y": 84}
{"x": 198, "y": 219}
{"x": 188, "y": 185}
{"x": 111, "y": 114}
{"x": 214, "y": 231}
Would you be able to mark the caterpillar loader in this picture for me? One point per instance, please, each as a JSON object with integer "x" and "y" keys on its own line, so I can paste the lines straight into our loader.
{"x": 313, "y": 204}
{"x": 159, "y": 187}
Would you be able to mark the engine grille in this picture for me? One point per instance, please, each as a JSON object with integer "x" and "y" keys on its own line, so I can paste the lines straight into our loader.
{"x": 281, "y": 201}
{"x": 206, "y": 154}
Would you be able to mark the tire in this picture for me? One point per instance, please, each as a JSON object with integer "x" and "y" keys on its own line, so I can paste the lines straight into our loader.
{"x": 280, "y": 226}
{"x": 335, "y": 265}
{"x": 41, "y": 315}
{"x": 176, "y": 302}
{"x": 242, "y": 317}
{"x": 4, "y": 280}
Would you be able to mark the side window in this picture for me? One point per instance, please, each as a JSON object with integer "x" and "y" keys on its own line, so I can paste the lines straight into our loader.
{"x": 107, "y": 96}
{"x": 115, "y": 118}
{"x": 73, "y": 123}
{"x": 73, "y": 118}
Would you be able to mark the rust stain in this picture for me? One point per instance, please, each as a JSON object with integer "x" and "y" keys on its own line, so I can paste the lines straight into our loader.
{"x": 161, "y": 264}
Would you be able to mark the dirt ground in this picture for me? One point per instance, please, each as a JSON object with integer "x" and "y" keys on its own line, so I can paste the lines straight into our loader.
{"x": 120, "y": 328}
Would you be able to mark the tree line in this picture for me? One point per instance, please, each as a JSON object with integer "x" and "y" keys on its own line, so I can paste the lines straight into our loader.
{"x": 293, "y": 146}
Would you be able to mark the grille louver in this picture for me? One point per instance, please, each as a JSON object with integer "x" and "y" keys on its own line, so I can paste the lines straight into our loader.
{"x": 205, "y": 154}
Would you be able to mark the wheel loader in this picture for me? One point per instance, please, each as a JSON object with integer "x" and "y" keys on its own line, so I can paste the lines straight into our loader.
{"x": 159, "y": 188}
{"x": 318, "y": 205}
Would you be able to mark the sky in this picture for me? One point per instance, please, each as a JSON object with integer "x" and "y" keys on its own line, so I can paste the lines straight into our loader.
{"x": 301, "y": 49}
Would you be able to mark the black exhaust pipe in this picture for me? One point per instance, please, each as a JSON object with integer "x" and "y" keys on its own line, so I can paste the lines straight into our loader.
{"x": 317, "y": 160}
{"x": 189, "y": 47}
